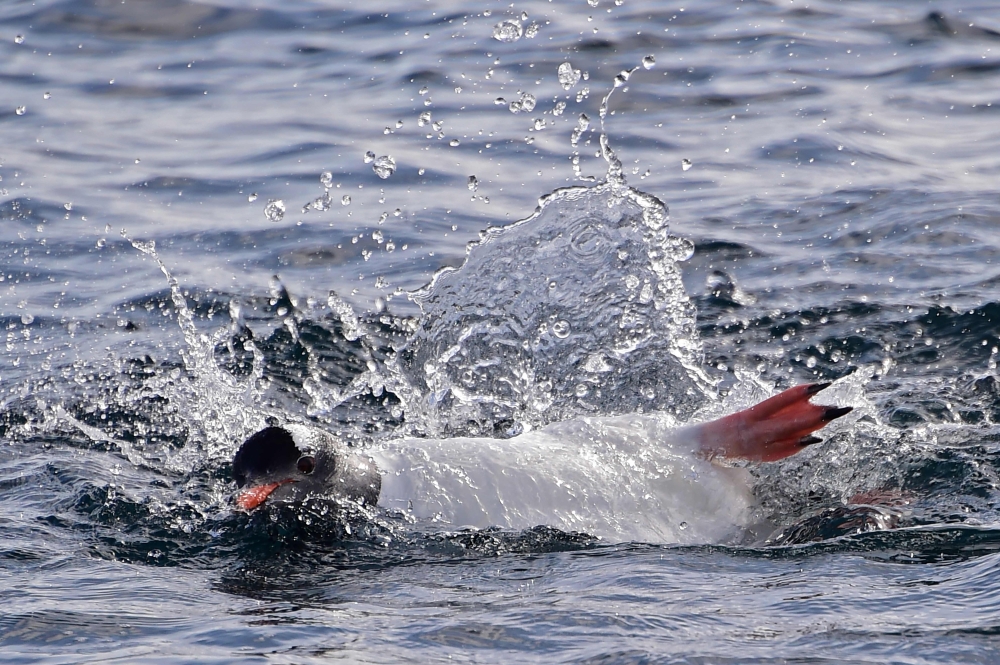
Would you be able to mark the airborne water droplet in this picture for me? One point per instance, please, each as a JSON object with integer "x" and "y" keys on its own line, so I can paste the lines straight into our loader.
{"x": 384, "y": 166}
{"x": 526, "y": 103}
{"x": 423, "y": 119}
{"x": 19, "y": 39}
{"x": 686, "y": 164}
{"x": 345, "y": 200}
{"x": 47, "y": 95}
{"x": 508, "y": 30}
{"x": 568, "y": 77}
{"x": 274, "y": 211}
{"x": 252, "y": 197}
{"x": 561, "y": 329}
{"x": 20, "y": 110}
{"x": 649, "y": 61}
{"x": 369, "y": 157}
{"x": 473, "y": 183}
{"x": 454, "y": 143}
{"x": 326, "y": 179}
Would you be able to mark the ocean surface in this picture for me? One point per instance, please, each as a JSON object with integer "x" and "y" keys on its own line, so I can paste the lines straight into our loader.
{"x": 465, "y": 227}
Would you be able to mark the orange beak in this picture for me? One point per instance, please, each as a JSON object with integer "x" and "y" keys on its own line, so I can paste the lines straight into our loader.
{"x": 250, "y": 498}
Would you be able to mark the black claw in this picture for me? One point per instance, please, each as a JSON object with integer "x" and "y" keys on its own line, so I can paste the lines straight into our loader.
{"x": 834, "y": 412}
{"x": 809, "y": 440}
{"x": 816, "y": 387}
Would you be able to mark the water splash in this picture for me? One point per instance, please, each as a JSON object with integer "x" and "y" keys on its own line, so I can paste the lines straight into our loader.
{"x": 586, "y": 291}
{"x": 221, "y": 407}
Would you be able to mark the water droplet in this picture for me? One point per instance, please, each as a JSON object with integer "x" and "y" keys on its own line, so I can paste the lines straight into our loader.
{"x": 47, "y": 95}
{"x": 397, "y": 212}
{"x": 649, "y": 62}
{"x": 390, "y": 247}
{"x": 369, "y": 157}
{"x": 686, "y": 164}
{"x": 345, "y": 200}
{"x": 20, "y": 110}
{"x": 423, "y": 91}
{"x": 381, "y": 218}
{"x": 19, "y": 39}
{"x": 384, "y": 166}
{"x": 473, "y": 183}
{"x": 683, "y": 525}
{"x": 252, "y": 197}
{"x": 437, "y": 126}
{"x": 101, "y": 242}
{"x": 399, "y": 123}
{"x": 568, "y": 77}
{"x": 508, "y": 30}
{"x": 27, "y": 319}
{"x": 423, "y": 118}
{"x": 593, "y": 3}
{"x": 539, "y": 124}
{"x": 499, "y": 101}
{"x": 326, "y": 179}
{"x": 526, "y": 103}
{"x": 561, "y": 329}
{"x": 454, "y": 143}
{"x": 811, "y": 362}
{"x": 274, "y": 211}
{"x": 558, "y": 109}
{"x": 581, "y": 390}
{"x": 320, "y": 203}
{"x": 421, "y": 171}
{"x": 531, "y": 31}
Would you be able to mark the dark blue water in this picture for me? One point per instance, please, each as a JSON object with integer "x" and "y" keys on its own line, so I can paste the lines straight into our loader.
{"x": 830, "y": 169}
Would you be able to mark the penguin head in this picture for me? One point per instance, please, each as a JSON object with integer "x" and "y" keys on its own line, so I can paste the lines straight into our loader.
{"x": 273, "y": 464}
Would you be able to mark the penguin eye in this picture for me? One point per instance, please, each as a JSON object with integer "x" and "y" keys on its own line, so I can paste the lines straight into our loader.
{"x": 306, "y": 464}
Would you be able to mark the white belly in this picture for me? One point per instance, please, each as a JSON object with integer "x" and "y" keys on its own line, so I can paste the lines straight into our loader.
{"x": 621, "y": 479}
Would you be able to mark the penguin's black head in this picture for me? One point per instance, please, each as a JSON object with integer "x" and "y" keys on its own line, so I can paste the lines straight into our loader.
{"x": 269, "y": 460}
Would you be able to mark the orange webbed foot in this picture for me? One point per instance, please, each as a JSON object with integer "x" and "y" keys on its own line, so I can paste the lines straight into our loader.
{"x": 772, "y": 430}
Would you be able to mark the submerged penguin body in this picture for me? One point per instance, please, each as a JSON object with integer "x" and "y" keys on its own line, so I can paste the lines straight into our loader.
{"x": 620, "y": 478}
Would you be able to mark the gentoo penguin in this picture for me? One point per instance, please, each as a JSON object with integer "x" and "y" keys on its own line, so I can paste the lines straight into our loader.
{"x": 292, "y": 462}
